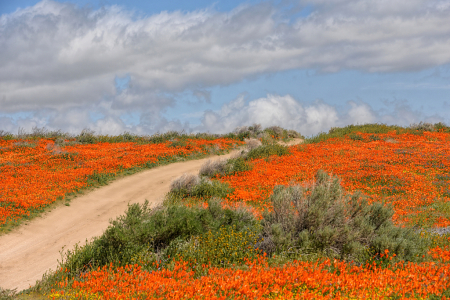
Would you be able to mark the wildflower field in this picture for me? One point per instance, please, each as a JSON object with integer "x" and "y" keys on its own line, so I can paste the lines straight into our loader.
{"x": 36, "y": 172}
{"x": 360, "y": 212}
{"x": 409, "y": 171}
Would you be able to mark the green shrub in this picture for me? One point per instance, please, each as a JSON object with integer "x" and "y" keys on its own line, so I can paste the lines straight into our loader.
{"x": 374, "y": 137}
{"x": 422, "y": 126}
{"x": 266, "y": 151}
{"x": 6, "y": 135}
{"x": 223, "y": 247}
{"x": 184, "y": 183}
{"x": 212, "y": 167}
{"x": 236, "y": 165}
{"x": 224, "y": 167}
{"x": 268, "y": 135}
{"x": 243, "y": 135}
{"x": 86, "y": 137}
{"x": 98, "y": 178}
{"x": 207, "y": 189}
{"x": 6, "y": 294}
{"x": 441, "y": 126}
{"x": 189, "y": 185}
{"x": 355, "y": 137}
{"x": 177, "y": 144}
{"x": 154, "y": 234}
{"x": 322, "y": 218}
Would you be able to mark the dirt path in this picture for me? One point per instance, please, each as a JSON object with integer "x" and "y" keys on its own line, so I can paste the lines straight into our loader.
{"x": 32, "y": 249}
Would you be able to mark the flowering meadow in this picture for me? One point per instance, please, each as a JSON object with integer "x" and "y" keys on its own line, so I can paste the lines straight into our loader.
{"x": 295, "y": 280}
{"x": 407, "y": 171}
{"x": 35, "y": 173}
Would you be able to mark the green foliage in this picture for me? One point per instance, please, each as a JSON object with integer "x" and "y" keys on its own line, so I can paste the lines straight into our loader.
{"x": 157, "y": 235}
{"x": 268, "y": 135}
{"x": 352, "y": 130}
{"x": 86, "y": 137}
{"x": 177, "y": 144}
{"x": 322, "y": 218}
{"x": 65, "y": 155}
{"x": 6, "y": 294}
{"x": 223, "y": 247}
{"x": 236, "y": 165}
{"x": 225, "y": 167}
{"x": 374, "y": 137}
{"x": 98, "y": 178}
{"x": 26, "y": 144}
{"x": 276, "y": 132}
{"x": 204, "y": 189}
{"x": 344, "y": 131}
{"x": 355, "y": 137}
{"x": 267, "y": 150}
{"x": 441, "y": 127}
{"x": 423, "y": 126}
{"x": 6, "y": 135}
{"x": 243, "y": 135}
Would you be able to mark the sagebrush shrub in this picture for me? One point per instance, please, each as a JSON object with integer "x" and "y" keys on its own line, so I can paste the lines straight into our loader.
{"x": 255, "y": 128}
{"x": 212, "y": 167}
{"x": 185, "y": 182}
{"x": 252, "y": 143}
{"x": 224, "y": 167}
{"x": 293, "y": 134}
{"x": 326, "y": 219}
{"x": 422, "y": 126}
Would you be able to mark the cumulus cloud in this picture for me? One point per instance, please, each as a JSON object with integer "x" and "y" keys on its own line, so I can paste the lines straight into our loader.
{"x": 308, "y": 119}
{"x": 62, "y": 59}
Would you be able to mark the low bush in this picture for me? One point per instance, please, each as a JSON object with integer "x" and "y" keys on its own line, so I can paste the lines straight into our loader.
{"x": 223, "y": 247}
{"x": 6, "y": 294}
{"x": 162, "y": 233}
{"x": 224, "y": 167}
{"x": 192, "y": 186}
{"x": 177, "y": 144}
{"x": 184, "y": 183}
{"x": 236, "y": 165}
{"x": 212, "y": 167}
{"x": 252, "y": 143}
{"x": 323, "y": 218}
{"x": 266, "y": 151}
{"x": 268, "y": 136}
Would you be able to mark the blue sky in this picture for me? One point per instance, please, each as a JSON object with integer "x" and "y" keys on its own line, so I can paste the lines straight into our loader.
{"x": 153, "y": 66}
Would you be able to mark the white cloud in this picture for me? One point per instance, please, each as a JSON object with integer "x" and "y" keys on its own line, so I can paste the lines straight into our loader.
{"x": 61, "y": 59}
{"x": 272, "y": 110}
{"x": 308, "y": 119}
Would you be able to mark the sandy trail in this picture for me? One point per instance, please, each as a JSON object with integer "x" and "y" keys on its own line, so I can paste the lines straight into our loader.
{"x": 32, "y": 249}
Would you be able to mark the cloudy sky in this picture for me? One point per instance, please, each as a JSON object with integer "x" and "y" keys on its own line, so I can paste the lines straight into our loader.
{"x": 211, "y": 66}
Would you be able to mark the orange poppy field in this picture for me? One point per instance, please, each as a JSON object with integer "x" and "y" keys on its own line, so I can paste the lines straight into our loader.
{"x": 35, "y": 173}
{"x": 409, "y": 171}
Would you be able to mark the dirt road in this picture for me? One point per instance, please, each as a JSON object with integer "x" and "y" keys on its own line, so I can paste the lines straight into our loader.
{"x": 32, "y": 249}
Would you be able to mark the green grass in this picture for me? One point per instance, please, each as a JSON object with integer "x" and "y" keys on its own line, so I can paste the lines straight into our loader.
{"x": 352, "y": 130}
